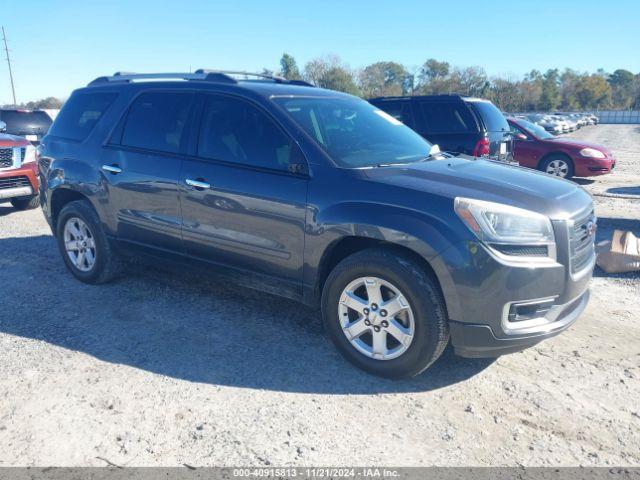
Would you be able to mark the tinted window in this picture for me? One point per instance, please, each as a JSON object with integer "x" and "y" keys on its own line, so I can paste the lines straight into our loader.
{"x": 447, "y": 117}
{"x": 355, "y": 133}
{"x": 22, "y": 122}
{"x": 400, "y": 110}
{"x": 80, "y": 114}
{"x": 156, "y": 121}
{"x": 492, "y": 118}
{"x": 235, "y": 131}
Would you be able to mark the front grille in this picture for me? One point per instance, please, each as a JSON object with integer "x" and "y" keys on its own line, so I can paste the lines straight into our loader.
{"x": 13, "y": 182}
{"x": 6, "y": 157}
{"x": 581, "y": 240}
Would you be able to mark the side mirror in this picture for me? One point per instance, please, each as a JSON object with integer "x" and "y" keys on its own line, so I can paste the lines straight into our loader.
{"x": 3, "y": 127}
{"x": 520, "y": 136}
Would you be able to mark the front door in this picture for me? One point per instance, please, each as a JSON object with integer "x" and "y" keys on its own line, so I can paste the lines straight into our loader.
{"x": 241, "y": 204}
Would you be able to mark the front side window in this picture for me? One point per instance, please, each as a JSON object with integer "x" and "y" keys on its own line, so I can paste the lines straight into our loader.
{"x": 156, "y": 121}
{"x": 354, "y": 133}
{"x": 233, "y": 130}
{"x": 447, "y": 117}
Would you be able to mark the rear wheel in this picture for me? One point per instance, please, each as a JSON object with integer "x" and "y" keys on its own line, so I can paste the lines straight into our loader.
{"x": 385, "y": 314}
{"x": 558, "y": 166}
{"x": 83, "y": 244}
{"x": 25, "y": 203}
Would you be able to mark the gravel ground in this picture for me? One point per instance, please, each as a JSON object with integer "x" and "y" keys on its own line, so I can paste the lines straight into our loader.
{"x": 158, "y": 369}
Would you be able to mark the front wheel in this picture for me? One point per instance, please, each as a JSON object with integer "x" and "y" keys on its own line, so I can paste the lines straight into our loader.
{"x": 558, "y": 166}
{"x": 25, "y": 203}
{"x": 385, "y": 313}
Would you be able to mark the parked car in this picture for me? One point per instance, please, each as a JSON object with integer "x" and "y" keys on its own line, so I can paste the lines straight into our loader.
{"x": 546, "y": 122}
{"x": 457, "y": 124}
{"x": 30, "y": 124}
{"x": 321, "y": 197}
{"x": 563, "y": 157}
{"x": 18, "y": 176}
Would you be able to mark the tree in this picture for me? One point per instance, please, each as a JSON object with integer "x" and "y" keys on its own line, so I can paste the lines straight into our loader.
{"x": 550, "y": 95}
{"x": 593, "y": 91}
{"x": 384, "y": 79}
{"x": 330, "y": 73}
{"x": 622, "y": 88}
{"x": 433, "y": 77}
{"x": 289, "y": 67}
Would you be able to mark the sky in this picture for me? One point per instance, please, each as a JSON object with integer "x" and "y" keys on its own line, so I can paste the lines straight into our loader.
{"x": 56, "y": 46}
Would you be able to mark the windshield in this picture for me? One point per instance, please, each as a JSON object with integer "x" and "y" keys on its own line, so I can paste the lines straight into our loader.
{"x": 537, "y": 130}
{"x": 354, "y": 133}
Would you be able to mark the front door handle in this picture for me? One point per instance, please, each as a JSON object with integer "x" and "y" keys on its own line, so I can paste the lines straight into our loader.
{"x": 114, "y": 169}
{"x": 198, "y": 184}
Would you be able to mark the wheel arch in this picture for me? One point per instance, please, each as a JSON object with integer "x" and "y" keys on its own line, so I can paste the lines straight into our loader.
{"x": 349, "y": 245}
{"x": 62, "y": 196}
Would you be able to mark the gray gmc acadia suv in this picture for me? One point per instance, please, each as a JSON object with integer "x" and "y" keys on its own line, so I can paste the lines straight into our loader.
{"x": 321, "y": 197}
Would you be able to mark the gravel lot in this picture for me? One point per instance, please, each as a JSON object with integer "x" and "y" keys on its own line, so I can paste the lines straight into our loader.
{"x": 158, "y": 369}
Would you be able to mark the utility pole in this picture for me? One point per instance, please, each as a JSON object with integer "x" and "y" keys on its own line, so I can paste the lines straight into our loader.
{"x": 6, "y": 51}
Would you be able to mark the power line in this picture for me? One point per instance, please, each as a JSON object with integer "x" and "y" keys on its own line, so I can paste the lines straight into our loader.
{"x": 6, "y": 50}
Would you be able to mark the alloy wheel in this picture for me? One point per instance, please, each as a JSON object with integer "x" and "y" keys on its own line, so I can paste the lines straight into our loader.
{"x": 376, "y": 318}
{"x": 79, "y": 244}
{"x": 559, "y": 168}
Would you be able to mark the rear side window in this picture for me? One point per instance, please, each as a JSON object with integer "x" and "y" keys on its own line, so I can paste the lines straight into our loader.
{"x": 400, "y": 110}
{"x": 80, "y": 114}
{"x": 233, "y": 130}
{"x": 156, "y": 121}
{"x": 492, "y": 118}
{"x": 447, "y": 117}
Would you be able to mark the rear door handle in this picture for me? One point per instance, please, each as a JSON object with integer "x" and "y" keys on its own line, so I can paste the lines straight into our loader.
{"x": 198, "y": 184}
{"x": 114, "y": 169}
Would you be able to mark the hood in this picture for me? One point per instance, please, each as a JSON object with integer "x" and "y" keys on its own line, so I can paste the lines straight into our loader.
{"x": 490, "y": 181}
{"x": 7, "y": 140}
{"x": 576, "y": 144}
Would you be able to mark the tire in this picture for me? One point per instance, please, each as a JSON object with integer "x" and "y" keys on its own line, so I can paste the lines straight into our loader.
{"x": 26, "y": 203}
{"x": 558, "y": 166}
{"x": 106, "y": 265}
{"x": 426, "y": 313}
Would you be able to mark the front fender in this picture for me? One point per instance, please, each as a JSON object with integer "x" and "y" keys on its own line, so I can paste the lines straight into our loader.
{"x": 422, "y": 233}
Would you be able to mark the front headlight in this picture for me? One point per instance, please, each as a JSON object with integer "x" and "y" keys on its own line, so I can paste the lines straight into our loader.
{"x": 500, "y": 226}
{"x": 29, "y": 154}
{"x": 592, "y": 153}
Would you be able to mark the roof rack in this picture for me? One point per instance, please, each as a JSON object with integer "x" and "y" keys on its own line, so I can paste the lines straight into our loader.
{"x": 219, "y": 76}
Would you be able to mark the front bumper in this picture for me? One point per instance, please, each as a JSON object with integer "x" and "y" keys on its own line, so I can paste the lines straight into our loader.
{"x": 591, "y": 167}
{"x": 497, "y": 306}
{"x": 13, "y": 183}
{"x": 478, "y": 341}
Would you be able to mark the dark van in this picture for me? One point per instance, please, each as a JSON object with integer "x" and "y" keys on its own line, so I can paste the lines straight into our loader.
{"x": 458, "y": 124}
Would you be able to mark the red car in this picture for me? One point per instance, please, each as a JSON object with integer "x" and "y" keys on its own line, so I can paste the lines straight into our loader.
{"x": 534, "y": 147}
{"x": 18, "y": 172}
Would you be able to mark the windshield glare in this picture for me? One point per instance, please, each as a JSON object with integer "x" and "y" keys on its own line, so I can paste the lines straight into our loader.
{"x": 537, "y": 130}
{"x": 354, "y": 133}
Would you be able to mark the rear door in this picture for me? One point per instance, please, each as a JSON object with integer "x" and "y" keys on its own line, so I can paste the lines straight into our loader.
{"x": 450, "y": 124}
{"x": 496, "y": 127}
{"x": 243, "y": 204}
{"x": 141, "y": 167}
